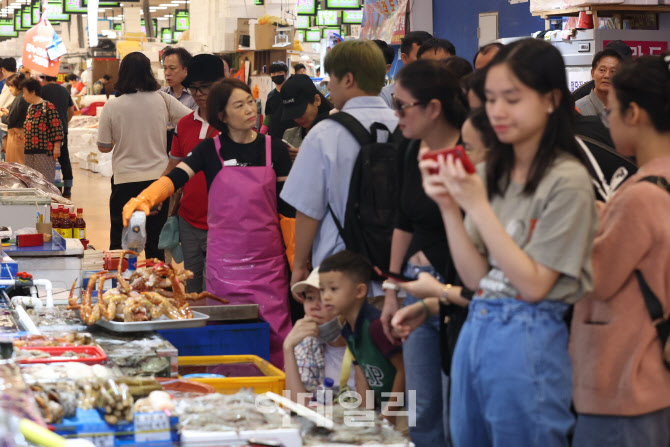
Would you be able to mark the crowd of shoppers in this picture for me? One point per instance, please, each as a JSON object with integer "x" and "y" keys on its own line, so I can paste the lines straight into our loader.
{"x": 498, "y": 258}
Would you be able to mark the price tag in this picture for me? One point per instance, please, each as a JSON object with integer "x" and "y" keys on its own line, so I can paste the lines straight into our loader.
{"x": 152, "y": 427}
{"x": 100, "y": 441}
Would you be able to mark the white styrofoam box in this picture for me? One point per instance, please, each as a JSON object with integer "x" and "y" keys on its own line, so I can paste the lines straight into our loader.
{"x": 62, "y": 271}
{"x": 287, "y": 436}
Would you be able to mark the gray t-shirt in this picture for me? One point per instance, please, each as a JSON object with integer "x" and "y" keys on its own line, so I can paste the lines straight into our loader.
{"x": 555, "y": 226}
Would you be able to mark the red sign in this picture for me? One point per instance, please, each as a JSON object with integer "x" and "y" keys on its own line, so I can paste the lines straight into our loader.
{"x": 645, "y": 47}
{"x": 35, "y": 57}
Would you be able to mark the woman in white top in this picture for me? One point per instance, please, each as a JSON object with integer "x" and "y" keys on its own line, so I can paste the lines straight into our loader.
{"x": 132, "y": 125}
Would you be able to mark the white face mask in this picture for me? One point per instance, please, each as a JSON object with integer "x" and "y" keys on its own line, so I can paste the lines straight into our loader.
{"x": 330, "y": 331}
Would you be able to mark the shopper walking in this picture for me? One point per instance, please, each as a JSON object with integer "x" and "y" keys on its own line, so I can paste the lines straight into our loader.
{"x": 14, "y": 118}
{"x": 525, "y": 247}
{"x": 133, "y": 126}
{"x": 431, "y": 109}
{"x": 203, "y": 71}
{"x": 622, "y": 386}
{"x": 57, "y": 95}
{"x": 43, "y": 131}
{"x": 244, "y": 172}
{"x": 322, "y": 171}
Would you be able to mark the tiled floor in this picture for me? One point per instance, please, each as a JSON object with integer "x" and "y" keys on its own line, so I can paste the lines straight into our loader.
{"x": 91, "y": 192}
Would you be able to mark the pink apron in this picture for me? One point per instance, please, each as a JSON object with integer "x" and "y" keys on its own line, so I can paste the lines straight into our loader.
{"x": 245, "y": 251}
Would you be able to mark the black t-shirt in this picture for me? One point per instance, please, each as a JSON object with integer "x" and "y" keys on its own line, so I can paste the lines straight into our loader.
{"x": 203, "y": 158}
{"x": 419, "y": 215}
{"x": 58, "y": 96}
{"x": 274, "y": 108}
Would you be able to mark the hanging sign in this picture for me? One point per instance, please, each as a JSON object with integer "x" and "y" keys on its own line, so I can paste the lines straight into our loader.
{"x": 384, "y": 20}
{"x": 42, "y": 48}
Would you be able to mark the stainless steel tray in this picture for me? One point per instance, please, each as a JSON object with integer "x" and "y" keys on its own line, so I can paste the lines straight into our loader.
{"x": 198, "y": 320}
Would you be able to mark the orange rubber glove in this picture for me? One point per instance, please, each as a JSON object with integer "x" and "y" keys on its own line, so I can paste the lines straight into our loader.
{"x": 156, "y": 193}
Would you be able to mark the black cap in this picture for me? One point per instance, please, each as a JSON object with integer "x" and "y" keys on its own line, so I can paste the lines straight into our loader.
{"x": 203, "y": 68}
{"x": 620, "y": 47}
{"x": 296, "y": 93}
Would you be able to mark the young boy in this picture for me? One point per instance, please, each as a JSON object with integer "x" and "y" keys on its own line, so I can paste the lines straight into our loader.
{"x": 344, "y": 278}
{"x": 311, "y": 354}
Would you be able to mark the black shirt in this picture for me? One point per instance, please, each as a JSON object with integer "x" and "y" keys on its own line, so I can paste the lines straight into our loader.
{"x": 274, "y": 108}
{"x": 58, "y": 96}
{"x": 419, "y": 215}
{"x": 17, "y": 112}
{"x": 203, "y": 158}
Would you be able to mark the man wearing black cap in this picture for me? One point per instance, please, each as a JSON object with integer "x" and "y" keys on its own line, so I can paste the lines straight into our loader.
{"x": 617, "y": 45}
{"x": 304, "y": 105}
{"x": 203, "y": 71}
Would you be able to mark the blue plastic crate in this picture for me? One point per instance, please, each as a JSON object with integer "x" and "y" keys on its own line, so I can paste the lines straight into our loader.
{"x": 222, "y": 339}
{"x": 8, "y": 267}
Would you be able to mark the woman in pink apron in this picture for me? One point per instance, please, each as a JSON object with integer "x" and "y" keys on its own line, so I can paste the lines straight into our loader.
{"x": 245, "y": 251}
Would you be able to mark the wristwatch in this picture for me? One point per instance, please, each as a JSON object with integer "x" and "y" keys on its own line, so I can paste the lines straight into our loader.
{"x": 387, "y": 285}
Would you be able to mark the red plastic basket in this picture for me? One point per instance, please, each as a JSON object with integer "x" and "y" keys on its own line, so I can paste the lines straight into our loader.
{"x": 98, "y": 354}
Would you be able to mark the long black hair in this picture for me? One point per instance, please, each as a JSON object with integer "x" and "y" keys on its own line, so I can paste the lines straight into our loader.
{"x": 538, "y": 65}
{"x": 646, "y": 82}
{"x": 428, "y": 79}
{"x": 135, "y": 75}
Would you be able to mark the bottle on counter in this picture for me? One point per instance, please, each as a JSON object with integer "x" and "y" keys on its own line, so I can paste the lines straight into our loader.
{"x": 66, "y": 224}
{"x": 58, "y": 223}
{"x": 80, "y": 225}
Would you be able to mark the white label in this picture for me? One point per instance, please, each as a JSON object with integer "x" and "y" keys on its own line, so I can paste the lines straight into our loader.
{"x": 99, "y": 441}
{"x": 152, "y": 427}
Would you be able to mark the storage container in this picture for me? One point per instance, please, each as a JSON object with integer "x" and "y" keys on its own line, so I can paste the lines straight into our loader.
{"x": 273, "y": 379}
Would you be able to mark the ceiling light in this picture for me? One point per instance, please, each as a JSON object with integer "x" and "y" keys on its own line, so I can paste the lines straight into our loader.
{"x": 167, "y": 5}
{"x": 160, "y": 7}
{"x": 169, "y": 16}
{"x": 121, "y": 5}
{"x": 162, "y": 18}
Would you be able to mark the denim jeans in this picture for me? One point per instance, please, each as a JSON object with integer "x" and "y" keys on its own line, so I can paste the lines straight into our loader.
{"x": 423, "y": 374}
{"x": 649, "y": 430}
{"x": 511, "y": 376}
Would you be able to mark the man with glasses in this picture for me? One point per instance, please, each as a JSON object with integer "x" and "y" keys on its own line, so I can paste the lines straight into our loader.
{"x": 203, "y": 71}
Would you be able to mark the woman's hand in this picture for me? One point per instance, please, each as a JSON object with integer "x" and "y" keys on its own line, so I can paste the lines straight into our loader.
{"x": 56, "y": 152}
{"x": 4, "y": 110}
{"x": 303, "y": 328}
{"x": 293, "y": 152}
{"x": 423, "y": 287}
{"x": 433, "y": 184}
{"x": 408, "y": 319}
{"x": 467, "y": 190}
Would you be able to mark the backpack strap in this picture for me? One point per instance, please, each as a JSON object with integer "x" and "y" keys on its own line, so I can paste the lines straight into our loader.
{"x": 359, "y": 132}
{"x": 654, "y": 306}
{"x": 661, "y": 182}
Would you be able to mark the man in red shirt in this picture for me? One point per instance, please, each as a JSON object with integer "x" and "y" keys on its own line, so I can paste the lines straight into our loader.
{"x": 203, "y": 71}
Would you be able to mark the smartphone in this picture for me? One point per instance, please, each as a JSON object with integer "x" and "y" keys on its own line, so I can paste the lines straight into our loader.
{"x": 290, "y": 146}
{"x": 392, "y": 275}
{"x": 456, "y": 152}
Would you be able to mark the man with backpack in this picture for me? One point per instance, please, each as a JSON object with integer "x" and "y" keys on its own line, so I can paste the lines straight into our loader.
{"x": 318, "y": 186}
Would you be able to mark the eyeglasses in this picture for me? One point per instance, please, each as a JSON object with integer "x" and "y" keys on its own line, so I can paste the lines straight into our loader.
{"x": 605, "y": 117}
{"x": 400, "y": 106}
{"x": 203, "y": 89}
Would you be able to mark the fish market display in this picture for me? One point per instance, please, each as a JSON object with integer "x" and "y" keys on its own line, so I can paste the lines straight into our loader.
{"x": 83, "y": 121}
{"x": 369, "y": 429}
{"x": 55, "y": 401}
{"x": 55, "y": 319}
{"x": 16, "y": 397}
{"x": 27, "y": 354}
{"x": 66, "y": 339}
{"x": 147, "y": 354}
{"x": 7, "y": 322}
{"x": 153, "y": 291}
{"x": 9, "y": 181}
{"x": 33, "y": 179}
{"x": 72, "y": 370}
{"x": 157, "y": 401}
{"x": 117, "y": 402}
{"x": 226, "y": 412}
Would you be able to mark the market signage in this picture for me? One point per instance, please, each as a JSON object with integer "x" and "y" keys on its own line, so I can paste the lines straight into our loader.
{"x": 74, "y": 7}
{"x": 181, "y": 20}
{"x": 7, "y": 28}
{"x": 43, "y": 48}
{"x": 384, "y": 20}
{"x": 645, "y": 47}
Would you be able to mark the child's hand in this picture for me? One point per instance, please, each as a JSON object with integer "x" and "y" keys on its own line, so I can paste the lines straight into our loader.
{"x": 303, "y": 328}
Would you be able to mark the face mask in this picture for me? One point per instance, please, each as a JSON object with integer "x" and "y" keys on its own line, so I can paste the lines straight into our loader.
{"x": 329, "y": 332}
{"x": 278, "y": 80}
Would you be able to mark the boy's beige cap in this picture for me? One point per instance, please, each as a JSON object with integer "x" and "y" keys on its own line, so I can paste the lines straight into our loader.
{"x": 311, "y": 281}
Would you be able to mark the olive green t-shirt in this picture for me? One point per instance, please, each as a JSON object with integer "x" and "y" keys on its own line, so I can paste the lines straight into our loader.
{"x": 555, "y": 226}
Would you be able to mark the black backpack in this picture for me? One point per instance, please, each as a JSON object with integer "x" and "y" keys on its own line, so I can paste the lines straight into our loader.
{"x": 372, "y": 202}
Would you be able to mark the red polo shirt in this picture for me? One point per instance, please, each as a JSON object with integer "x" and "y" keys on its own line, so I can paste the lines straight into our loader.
{"x": 190, "y": 131}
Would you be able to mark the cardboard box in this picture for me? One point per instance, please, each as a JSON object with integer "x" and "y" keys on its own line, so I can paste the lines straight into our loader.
{"x": 261, "y": 37}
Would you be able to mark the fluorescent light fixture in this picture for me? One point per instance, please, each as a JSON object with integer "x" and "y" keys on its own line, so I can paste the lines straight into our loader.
{"x": 121, "y": 5}
{"x": 167, "y": 5}
{"x": 169, "y": 16}
{"x": 160, "y": 7}
{"x": 162, "y": 18}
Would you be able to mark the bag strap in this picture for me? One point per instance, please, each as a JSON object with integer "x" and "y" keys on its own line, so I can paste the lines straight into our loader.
{"x": 661, "y": 182}
{"x": 167, "y": 107}
{"x": 338, "y": 224}
{"x": 359, "y": 132}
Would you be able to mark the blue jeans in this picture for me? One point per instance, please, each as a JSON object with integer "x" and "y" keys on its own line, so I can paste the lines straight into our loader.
{"x": 511, "y": 376}
{"x": 649, "y": 430}
{"x": 423, "y": 374}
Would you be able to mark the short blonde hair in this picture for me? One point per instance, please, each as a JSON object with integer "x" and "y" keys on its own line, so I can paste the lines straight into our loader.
{"x": 363, "y": 59}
